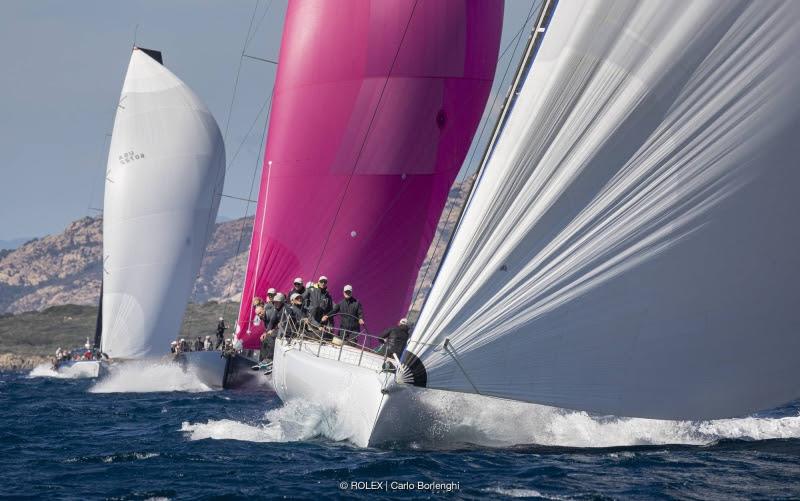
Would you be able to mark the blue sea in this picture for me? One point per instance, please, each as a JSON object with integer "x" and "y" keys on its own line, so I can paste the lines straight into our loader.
{"x": 156, "y": 433}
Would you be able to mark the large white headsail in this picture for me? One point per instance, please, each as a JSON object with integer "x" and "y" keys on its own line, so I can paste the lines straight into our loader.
{"x": 166, "y": 168}
{"x": 632, "y": 247}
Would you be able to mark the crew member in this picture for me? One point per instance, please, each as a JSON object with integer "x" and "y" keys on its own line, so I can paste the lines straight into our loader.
{"x": 297, "y": 287}
{"x": 351, "y": 314}
{"x": 271, "y": 318}
{"x": 221, "y": 328}
{"x": 396, "y": 338}
{"x": 290, "y": 321}
{"x": 317, "y": 300}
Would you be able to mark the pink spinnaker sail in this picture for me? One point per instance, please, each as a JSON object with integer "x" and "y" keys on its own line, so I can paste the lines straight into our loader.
{"x": 375, "y": 106}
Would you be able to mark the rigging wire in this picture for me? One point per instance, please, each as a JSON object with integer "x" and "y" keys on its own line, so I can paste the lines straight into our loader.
{"x": 515, "y": 42}
{"x": 532, "y": 46}
{"x": 239, "y": 72}
{"x": 258, "y": 25}
{"x": 249, "y": 197}
{"x": 248, "y": 37}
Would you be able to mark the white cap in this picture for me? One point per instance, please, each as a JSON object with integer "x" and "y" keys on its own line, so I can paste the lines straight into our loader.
{"x": 298, "y": 280}
{"x": 309, "y": 283}
{"x": 348, "y": 288}
{"x": 271, "y": 290}
{"x": 279, "y": 297}
{"x": 174, "y": 342}
{"x": 293, "y": 296}
{"x": 323, "y": 277}
{"x": 220, "y": 319}
{"x": 182, "y": 340}
{"x": 403, "y": 321}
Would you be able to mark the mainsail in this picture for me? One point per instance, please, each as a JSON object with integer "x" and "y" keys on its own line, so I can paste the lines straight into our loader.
{"x": 631, "y": 246}
{"x": 374, "y": 108}
{"x": 166, "y": 168}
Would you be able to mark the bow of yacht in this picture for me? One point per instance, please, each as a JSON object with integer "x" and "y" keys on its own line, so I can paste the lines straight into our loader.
{"x": 349, "y": 380}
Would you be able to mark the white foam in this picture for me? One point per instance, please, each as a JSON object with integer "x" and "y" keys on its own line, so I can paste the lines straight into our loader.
{"x": 148, "y": 376}
{"x": 496, "y": 423}
{"x": 520, "y": 493}
{"x": 296, "y": 421}
{"x": 478, "y": 420}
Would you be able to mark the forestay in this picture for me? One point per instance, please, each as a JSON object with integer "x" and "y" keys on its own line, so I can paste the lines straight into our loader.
{"x": 166, "y": 167}
{"x": 631, "y": 247}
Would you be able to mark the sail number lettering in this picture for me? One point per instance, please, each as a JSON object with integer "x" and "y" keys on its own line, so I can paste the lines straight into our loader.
{"x": 130, "y": 156}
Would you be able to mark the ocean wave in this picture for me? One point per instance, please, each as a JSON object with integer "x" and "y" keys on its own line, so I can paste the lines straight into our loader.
{"x": 293, "y": 422}
{"x": 470, "y": 419}
{"x": 466, "y": 419}
{"x": 114, "y": 458}
{"x": 148, "y": 376}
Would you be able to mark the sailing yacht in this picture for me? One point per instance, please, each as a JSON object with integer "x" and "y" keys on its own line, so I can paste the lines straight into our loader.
{"x": 166, "y": 168}
{"x": 374, "y": 109}
{"x": 629, "y": 247}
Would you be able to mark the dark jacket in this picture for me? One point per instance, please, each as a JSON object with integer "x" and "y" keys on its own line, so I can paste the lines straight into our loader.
{"x": 290, "y": 321}
{"x": 301, "y": 291}
{"x": 396, "y": 339}
{"x": 271, "y": 318}
{"x": 221, "y": 327}
{"x": 350, "y": 312}
{"x": 317, "y": 302}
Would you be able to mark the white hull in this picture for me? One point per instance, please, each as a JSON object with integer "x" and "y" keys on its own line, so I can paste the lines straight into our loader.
{"x": 372, "y": 407}
{"x": 82, "y": 368}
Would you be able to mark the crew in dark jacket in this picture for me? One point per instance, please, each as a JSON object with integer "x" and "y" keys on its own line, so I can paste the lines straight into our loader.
{"x": 290, "y": 322}
{"x": 396, "y": 338}
{"x": 317, "y": 300}
{"x": 221, "y": 328}
{"x": 299, "y": 288}
{"x": 351, "y": 314}
{"x": 270, "y": 318}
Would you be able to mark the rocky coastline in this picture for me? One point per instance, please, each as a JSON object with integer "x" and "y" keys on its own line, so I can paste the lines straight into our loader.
{"x": 21, "y": 362}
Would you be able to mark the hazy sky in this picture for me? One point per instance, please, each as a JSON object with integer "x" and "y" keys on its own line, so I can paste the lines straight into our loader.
{"x": 63, "y": 67}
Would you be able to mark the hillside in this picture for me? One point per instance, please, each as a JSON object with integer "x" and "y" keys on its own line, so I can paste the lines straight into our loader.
{"x": 41, "y": 332}
{"x": 66, "y": 268}
{"x": 49, "y": 287}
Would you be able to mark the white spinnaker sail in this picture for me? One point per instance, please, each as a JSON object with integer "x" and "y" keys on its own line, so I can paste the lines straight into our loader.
{"x": 631, "y": 247}
{"x": 166, "y": 168}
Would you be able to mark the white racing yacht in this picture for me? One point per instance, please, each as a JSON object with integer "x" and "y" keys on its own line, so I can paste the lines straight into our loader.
{"x": 629, "y": 247}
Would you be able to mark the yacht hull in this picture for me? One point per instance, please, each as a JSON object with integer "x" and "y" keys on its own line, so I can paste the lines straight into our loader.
{"x": 221, "y": 372}
{"x": 82, "y": 368}
{"x": 371, "y": 407}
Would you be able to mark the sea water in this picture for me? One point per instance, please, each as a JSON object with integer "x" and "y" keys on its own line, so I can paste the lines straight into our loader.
{"x": 153, "y": 432}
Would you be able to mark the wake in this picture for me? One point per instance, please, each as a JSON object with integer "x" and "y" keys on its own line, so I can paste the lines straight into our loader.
{"x": 500, "y": 424}
{"x": 148, "y": 376}
{"x": 293, "y": 422}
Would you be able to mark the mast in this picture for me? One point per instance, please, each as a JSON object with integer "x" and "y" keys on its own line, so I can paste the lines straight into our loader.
{"x": 98, "y": 326}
